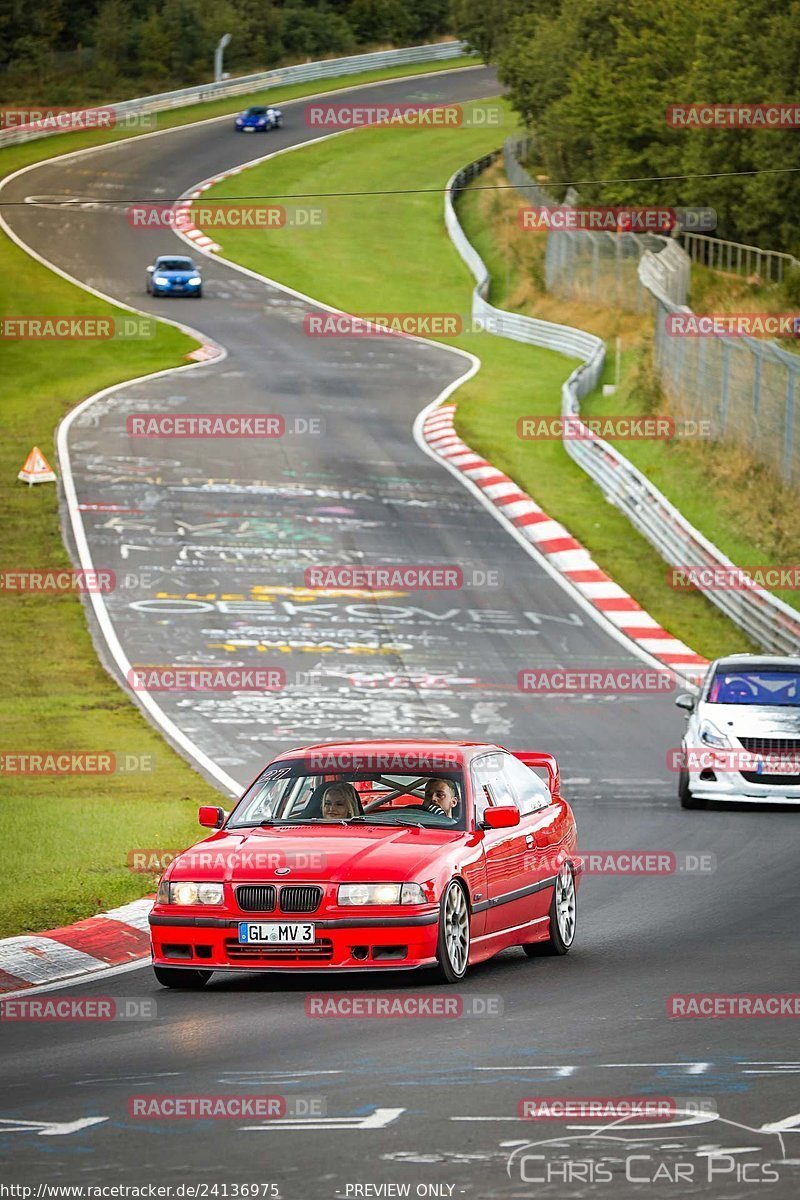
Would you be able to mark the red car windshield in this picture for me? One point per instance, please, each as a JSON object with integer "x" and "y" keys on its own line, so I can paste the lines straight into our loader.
{"x": 288, "y": 794}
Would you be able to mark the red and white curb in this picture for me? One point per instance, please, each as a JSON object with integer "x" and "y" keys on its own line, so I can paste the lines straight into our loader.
{"x": 111, "y": 939}
{"x": 188, "y": 228}
{"x": 207, "y": 352}
{"x": 560, "y": 548}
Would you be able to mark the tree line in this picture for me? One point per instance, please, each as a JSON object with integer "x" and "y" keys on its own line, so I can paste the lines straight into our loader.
{"x": 592, "y": 80}
{"x": 63, "y": 51}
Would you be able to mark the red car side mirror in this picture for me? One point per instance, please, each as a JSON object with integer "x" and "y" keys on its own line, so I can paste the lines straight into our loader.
{"x": 210, "y": 816}
{"x": 501, "y": 816}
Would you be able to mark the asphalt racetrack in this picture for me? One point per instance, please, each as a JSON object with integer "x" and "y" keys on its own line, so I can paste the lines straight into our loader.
{"x": 214, "y": 538}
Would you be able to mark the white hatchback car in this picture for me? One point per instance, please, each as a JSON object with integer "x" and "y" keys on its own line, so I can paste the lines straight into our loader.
{"x": 742, "y": 739}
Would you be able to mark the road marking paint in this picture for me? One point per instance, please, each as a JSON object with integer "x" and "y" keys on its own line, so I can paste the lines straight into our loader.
{"x": 378, "y": 1119}
{"x": 48, "y": 1128}
{"x": 787, "y": 1125}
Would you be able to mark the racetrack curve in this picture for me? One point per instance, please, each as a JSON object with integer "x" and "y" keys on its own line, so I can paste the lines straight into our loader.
{"x": 216, "y": 520}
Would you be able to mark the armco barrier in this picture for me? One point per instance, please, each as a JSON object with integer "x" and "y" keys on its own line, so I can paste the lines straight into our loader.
{"x": 772, "y": 624}
{"x": 436, "y": 52}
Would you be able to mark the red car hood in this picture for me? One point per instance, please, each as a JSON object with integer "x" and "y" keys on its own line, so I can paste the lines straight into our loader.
{"x": 339, "y": 854}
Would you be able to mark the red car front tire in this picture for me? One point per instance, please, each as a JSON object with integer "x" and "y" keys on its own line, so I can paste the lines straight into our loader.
{"x": 452, "y": 952}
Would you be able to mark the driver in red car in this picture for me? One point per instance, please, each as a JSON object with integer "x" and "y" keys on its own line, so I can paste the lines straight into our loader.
{"x": 441, "y": 797}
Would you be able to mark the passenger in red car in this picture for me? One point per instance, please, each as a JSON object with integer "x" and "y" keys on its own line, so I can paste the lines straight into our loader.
{"x": 441, "y": 796}
{"x": 340, "y": 801}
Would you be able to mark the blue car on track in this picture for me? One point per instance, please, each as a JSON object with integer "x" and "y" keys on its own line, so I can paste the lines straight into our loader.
{"x": 174, "y": 276}
{"x": 258, "y": 119}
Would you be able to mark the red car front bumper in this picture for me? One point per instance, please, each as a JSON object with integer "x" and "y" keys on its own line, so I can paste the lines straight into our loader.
{"x": 342, "y": 943}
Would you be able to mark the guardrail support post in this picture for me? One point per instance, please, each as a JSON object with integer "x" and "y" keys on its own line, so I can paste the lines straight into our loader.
{"x": 756, "y": 394}
{"x": 726, "y": 379}
{"x": 788, "y": 437}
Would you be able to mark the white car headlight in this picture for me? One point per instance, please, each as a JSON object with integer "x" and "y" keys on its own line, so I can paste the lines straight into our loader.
{"x": 380, "y": 893}
{"x": 194, "y": 893}
{"x": 194, "y": 279}
{"x": 161, "y": 279}
{"x": 711, "y": 736}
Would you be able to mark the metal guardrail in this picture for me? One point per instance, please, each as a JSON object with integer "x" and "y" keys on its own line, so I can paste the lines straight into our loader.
{"x": 435, "y": 52}
{"x": 563, "y": 338}
{"x": 745, "y": 388}
{"x": 737, "y": 257}
{"x": 770, "y": 622}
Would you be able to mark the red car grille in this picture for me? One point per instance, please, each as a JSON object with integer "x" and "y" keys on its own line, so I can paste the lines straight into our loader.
{"x": 320, "y": 951}
{"x": 298, "y": 899}
{"x": 262, "y": 897}
{"x": 258, "y": 897}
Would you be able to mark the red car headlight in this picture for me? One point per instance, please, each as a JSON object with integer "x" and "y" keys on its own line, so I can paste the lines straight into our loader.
{"x": 186, "y": 892}
{"x": 380, "y": 893}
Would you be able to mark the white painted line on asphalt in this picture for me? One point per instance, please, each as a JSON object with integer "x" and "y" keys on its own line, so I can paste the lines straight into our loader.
{"x": 599, "y": 617}
{"x": 97, "y": 600}
{"x": 690, "y": 1068}
{"x": 48, "y": 1128}
{"x": 145, "y": 698}
{"x": 787, "y": 1125}
{"x": 378, "y": 1119}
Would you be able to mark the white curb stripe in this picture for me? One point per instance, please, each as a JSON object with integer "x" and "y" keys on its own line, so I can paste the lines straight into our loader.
{"x": 432, "y": 433}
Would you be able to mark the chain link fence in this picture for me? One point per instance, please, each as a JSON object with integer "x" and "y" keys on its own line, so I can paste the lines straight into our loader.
{"x": 745, "y": 388}
{"x": 592, "y": 265}
{"x": 770, "y": 622}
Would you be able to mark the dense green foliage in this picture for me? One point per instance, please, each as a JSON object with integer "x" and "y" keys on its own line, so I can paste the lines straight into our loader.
{"x": 593, "y": 78}
{"x": 62, "y": 51}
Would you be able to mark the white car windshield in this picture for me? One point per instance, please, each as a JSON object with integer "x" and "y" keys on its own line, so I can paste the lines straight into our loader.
{"x": 777, "y": 689}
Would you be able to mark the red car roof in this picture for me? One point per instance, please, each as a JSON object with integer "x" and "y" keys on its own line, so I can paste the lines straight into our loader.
{"x": 380, "y": 747}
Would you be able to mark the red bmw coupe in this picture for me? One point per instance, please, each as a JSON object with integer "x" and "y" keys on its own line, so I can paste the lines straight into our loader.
{"x": 375, "y": 855}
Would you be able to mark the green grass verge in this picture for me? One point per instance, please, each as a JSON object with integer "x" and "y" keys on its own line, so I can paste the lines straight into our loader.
{"x": 66, "y": 840}
{"x": 392, "y": 253}
{"x": 14, "y": 157}
{"x": 733, "y": 499}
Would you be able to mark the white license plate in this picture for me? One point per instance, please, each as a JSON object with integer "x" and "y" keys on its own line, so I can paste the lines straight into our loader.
{"x": 249, "y": 128}
{"x": 290, "y": 934}
{"x": 777, "y": 767}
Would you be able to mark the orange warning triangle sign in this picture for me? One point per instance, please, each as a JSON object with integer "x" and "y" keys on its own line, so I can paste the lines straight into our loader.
{"x": 37, "y": 469}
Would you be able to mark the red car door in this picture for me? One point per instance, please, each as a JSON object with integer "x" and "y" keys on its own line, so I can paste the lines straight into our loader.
{"x": 544, "y": 822}
{"x": 504, "y": 850}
